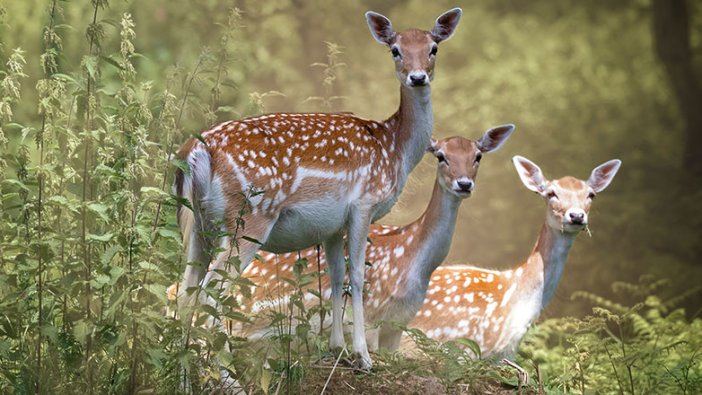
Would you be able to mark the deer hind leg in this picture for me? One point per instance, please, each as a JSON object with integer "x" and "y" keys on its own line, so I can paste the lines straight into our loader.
{"x": 373, "y": 339}
{"x": 197, "y": 225}
{"x": 389, "y": 337}
{"x": 257, "y": 227}
{"x": 199, "y": 234}
{"x": 199, "y": 256}
{"x": 334, "y": 252}
{"x": 359, "y": 222}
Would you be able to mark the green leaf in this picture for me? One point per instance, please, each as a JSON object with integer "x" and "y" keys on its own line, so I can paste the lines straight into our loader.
{"x": 62, "y": 201}
{"x": 91, "y": 65}
{"x": 169, "y": 234}
{"x": 100, "y": 210}
{"x": 13, "y": 125}
{"x": 100, "y": 280}
{"x": 182, "y": 201}
{"x": 116, "y": 272}
{"x": 116, "y": 300}
{"x": 182, "y": 165}
{"x": 16, "y": 183}
{"x": 144, "y": 233}
{"x": 471, "y": 345}
{"x": 200, "y": 139}
{"x": 50, "y": 332}
{"x": 158, "y": 290}
{"x": 156, "y": 357}
{"x": 207, "y": 309}
{"x": 112, "y": 62}
{"x": 154, "y": 193}
{"x": 150, "y": 267}
{"x": 26, "y": 131}
{"x": 234, "y": 315}
{"x": 110, "y": 253}
{"x": 104, "y": 238}
{"x": 65, "y": 77}
{"x": 81, "y": 331}
{"x": 513, "y": 382}
{"x": 251, "y": 239}
{"x": 110, "y": 172}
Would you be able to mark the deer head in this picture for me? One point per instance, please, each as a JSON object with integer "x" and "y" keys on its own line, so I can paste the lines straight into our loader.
{"x": 413, "y": 50}
{"x": 459, "y": 158}
{"x": 568, "y": 198}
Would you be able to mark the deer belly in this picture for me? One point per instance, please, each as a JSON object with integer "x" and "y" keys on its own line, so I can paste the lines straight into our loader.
{"x": 306, "y": 224}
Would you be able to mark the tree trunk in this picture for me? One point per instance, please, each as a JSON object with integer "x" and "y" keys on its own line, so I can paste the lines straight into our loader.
{"x": 671, "y": 30}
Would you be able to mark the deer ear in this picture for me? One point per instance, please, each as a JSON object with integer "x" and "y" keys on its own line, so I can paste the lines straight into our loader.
{"x": 493, "y": 139}
{"x": 603, "y": 174}
{"x": 530, "y": 174}
{"x": 446, "y": 24}
{"x": 433, "y": 146}
{"x": 380, "y": 28}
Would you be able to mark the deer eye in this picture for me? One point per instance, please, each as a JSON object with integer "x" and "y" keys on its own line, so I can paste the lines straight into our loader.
{"x": 433, "y": 51}
{"x": 551, "y": 195}
{"x": 478, "y": 157}
{"x": 591, "y": 195}
{"x": 441, "y": 158}
{"x": 396, "y": 53}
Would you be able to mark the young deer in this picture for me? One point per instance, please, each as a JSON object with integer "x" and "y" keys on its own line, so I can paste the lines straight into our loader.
{"x": 495, "y": 308}
{"x": 402, "y": 258}
{"x": 315, "y": 176}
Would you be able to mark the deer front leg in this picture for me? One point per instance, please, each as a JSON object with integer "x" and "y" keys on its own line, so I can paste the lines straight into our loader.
{"x": 359, "y": 222}
{"x": 334, "y": 251}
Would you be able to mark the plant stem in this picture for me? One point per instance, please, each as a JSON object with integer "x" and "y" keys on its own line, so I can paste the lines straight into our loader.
{"x": 628, "y": 367}
{"x": 84, "y": 198}
{"x": 614, "y": 367}
{"x": 40, "y": 264}
{"x": 321, "y": 301}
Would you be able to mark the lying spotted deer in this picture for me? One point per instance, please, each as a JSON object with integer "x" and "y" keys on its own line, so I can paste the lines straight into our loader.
{"x": 402, "y": 258}
{"x": 315, "y": 176}
{"x": 495, "y": 308}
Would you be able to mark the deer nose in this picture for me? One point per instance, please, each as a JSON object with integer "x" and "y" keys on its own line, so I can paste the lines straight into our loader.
{"x": 577, "y": 218}
{"x": 465, "y": 185}
{"x": 418, "y": 78}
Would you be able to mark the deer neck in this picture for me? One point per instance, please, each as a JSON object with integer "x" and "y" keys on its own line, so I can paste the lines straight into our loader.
{"x": 411, "y": 128}
{"x": 545, "y": 265}
{"x": 434, "y": 231}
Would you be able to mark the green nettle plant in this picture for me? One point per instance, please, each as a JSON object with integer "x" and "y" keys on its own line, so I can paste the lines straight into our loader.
{"x": 330, "y": 71}
{"x": 89, "y": 244}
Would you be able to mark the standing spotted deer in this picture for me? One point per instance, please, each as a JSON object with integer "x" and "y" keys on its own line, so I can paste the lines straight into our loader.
{"x": 402, "y": 258}
{"x": 316, "y": 176}
{"x": 495, "y": 308}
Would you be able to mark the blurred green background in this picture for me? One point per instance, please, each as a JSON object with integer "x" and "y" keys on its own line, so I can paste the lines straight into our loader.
{"x": 584, "y": 81}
